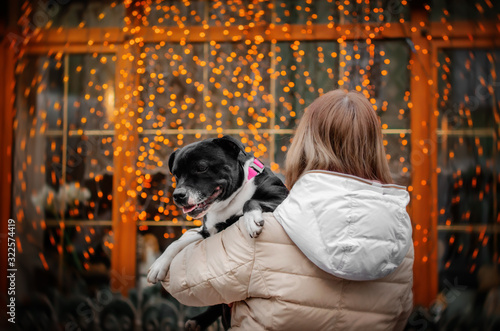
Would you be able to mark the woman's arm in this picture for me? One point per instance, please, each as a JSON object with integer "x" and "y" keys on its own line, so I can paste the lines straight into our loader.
{"x": 213, "y": 271}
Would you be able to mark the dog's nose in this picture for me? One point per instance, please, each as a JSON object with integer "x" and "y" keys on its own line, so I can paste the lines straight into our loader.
{"x": 180, "y": 195}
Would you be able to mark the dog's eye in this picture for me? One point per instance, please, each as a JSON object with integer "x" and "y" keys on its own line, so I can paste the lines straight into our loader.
{"x": 201, "y": 168}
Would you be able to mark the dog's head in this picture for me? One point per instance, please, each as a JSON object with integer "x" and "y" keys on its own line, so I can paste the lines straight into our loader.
{"x": 206, "y": 172}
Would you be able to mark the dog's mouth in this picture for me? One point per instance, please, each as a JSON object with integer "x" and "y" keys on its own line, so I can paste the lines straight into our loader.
{"x": 200, "y": 208}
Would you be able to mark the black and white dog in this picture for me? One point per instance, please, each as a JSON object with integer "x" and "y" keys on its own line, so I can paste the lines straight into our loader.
{"x": 218, "y": 181}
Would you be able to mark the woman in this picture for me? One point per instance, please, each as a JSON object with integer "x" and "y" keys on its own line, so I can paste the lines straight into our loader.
{"x": 337, "y": 254}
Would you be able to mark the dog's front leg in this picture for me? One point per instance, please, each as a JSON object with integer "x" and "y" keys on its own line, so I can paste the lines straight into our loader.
{"x": 205, "y": 319}
{"x": 158, "y": 271}
{"x": 252, "y": 214}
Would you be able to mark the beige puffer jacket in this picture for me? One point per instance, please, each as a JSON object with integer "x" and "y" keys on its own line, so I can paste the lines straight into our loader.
{"x": 274, "y": 286}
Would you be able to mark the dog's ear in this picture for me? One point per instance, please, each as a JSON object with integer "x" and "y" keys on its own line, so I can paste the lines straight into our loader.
{"x": 231, "y": 145}
{"x": 171, "y": 160}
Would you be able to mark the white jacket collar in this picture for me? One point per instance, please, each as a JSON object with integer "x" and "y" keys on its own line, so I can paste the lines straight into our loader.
{"x": 348, "y": 226}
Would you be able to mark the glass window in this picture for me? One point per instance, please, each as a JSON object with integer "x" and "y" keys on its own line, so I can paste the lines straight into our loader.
{"x": 64, "y": 161}
{"x": 468, "y": 164}
{"x": 72, "y": 14}
{"x": 462, "y": 10}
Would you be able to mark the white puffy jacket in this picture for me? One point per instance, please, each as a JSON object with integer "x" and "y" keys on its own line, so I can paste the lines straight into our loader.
{"x": 350, "y": 227}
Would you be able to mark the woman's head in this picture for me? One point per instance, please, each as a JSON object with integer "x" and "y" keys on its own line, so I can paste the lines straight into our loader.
{"x": 339, "y": 132}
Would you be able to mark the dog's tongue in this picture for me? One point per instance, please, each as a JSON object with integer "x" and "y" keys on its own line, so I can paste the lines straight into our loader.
{"x": 186, "y": 210}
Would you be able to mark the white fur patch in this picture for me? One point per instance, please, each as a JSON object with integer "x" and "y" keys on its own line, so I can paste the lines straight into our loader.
{"x": 220, "y": 211}
{"x": 158, "y": 270}
{"x": 194, "y": 197}
{"x": 254, "y": 222}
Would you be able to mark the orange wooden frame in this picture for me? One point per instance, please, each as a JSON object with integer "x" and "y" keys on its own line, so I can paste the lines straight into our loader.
{"x": 425, "y": 286}
{"x": 123, "y": 258}
{"x": 286, "y": 32}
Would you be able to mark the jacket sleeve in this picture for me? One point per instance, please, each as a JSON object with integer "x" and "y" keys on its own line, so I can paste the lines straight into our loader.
{"x": 214, "y": 270}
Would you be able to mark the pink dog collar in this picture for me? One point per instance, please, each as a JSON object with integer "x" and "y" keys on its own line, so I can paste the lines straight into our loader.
{"x": 255, "y": 168}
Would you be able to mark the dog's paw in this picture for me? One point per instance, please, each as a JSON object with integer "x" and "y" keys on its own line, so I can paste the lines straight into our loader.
{"x": 158, "y": 270}
{"x": 191, "y": 325}
{"x": 254, "y": 222}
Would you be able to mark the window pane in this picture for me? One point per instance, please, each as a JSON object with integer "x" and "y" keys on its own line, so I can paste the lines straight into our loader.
{"x": 339, "y": 12}
{"x": 42, "y": 92}
{"x": 177, "y": 13}
{"x": 459, "y": 10}
{"x": 466, "y": 180}
{"x": 305, "y": 70}
{"x": 62, "y": 183}
{"x": 239, "y": 86}
{"x": 380, "y": 71}
{"x": 469, "y": 89}
{"x": 91, "y": 91}
{"x": 240, "y": 12}
{"x": 398, "y": 151}
{"x": 66, "y": 13}
{"x": 301, "y": 12}
{"x": 377, "y": 70}
{"x": 171, "y": 91}
{"x": 282, "y": 142}
{"x": 38, "y": 150}
{"x": 462, "y": 254}
{"x": 89, "y": 177}
{"x": 467, "y": 151}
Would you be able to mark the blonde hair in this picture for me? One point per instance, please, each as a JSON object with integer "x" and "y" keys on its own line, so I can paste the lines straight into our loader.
{"x": 340, "y": 132}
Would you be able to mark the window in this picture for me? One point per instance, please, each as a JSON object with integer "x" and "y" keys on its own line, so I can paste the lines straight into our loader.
{"x": 106, "y": 90}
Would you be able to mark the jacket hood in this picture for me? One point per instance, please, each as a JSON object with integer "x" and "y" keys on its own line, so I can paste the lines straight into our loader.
{"x": 348, "y": 226}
